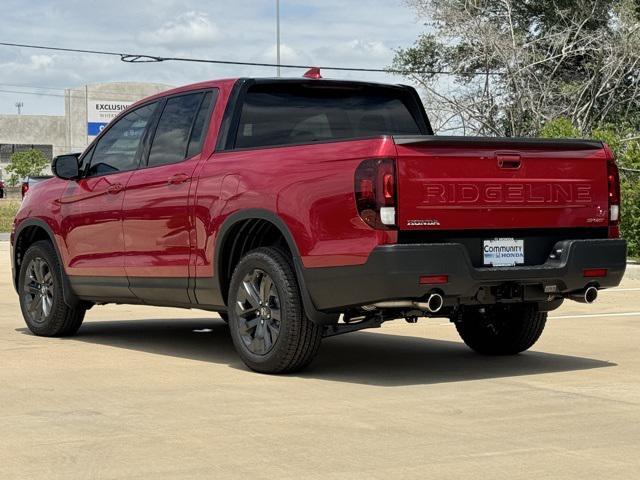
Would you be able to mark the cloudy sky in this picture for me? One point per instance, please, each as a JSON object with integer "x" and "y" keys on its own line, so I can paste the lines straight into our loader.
{"x": 321, "y": 32}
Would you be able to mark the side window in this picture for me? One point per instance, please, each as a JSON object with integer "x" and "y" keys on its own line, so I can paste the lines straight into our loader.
{"x": 116, "y": 150}
{"x": 180, "y": 129}
{"x": 199, "y": 130}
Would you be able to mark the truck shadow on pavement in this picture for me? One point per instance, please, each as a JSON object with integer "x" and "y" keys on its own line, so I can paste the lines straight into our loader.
{"x": 369, "y": 358}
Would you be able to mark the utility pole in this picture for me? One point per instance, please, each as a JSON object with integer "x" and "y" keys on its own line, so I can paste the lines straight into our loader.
{"x": 19, "y": 106}
{"x": 278, "y": 37}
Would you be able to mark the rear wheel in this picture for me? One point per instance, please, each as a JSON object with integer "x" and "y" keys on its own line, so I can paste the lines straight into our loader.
{"x": 268, "y": 325}
{"x": 41, "y": 298}
{"x": 501, "y": 330}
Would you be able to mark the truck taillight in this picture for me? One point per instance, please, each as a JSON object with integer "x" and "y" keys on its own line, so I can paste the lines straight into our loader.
{"x": 25, "y": 189}
{"x": 375, "y": 187}
{"x": 613, "y": 181}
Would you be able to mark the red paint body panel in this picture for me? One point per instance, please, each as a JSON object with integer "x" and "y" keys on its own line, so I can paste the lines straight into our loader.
{"x": 457, "y": 189}
{"x": 91, "y": 225}
{"x": 310, "y": 187}
{"x": 157, "y": 221}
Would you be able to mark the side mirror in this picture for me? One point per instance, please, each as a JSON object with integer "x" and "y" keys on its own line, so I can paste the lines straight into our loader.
{"x": 66, "y": 166}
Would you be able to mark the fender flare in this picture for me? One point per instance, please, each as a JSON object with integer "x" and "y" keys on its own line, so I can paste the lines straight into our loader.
{"x": 67, "y": 293}
{"x": 316, "y": 316}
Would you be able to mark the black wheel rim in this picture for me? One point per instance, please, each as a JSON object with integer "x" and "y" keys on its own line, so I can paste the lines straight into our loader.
{"x": 258, "y": 312}
{"x": 38, "y": 290}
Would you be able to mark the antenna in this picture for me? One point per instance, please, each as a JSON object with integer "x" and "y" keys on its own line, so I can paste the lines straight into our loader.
{"x": 313, "y": 72}
{"x": 19, "y": 106}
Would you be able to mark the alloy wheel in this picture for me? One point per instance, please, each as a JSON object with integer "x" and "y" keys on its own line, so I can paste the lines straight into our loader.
{"x": 38, "y": 290}
{"x": 258, "y": 312}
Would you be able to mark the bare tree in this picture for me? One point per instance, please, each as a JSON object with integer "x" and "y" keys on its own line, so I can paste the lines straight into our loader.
{"x": 513, "y": 65}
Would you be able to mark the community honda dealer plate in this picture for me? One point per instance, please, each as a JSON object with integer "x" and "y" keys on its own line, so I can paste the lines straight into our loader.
{"x": 503, "y": 252}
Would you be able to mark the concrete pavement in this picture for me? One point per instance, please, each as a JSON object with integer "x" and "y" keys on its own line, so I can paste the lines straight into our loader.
{"x": 156, "y": 393}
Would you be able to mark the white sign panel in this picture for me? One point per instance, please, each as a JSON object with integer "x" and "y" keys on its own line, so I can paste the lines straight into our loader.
{"x": 100, "y": 113}
{"x": 503, "y": 252}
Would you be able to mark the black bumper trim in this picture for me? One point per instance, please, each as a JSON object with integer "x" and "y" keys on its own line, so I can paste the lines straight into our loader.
{"x": 393, "y": 271}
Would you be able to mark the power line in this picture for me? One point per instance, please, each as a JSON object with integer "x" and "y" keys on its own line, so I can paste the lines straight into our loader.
{"x": 80, "y": 95}
{"x": 71, "y": 92}
{"x": 33, "y": 93}
{"x": 75, "y": 90}
{"x": 145, "y": 58}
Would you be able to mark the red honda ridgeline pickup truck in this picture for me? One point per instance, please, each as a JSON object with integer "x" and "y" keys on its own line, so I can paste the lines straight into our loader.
{"x": 305, "y": 208}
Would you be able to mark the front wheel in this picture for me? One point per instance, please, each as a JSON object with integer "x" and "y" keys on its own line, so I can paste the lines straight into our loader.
{"x": 41, "y": 299}
{"x": 501, "y": 330}
{"x": 268, "y": 324}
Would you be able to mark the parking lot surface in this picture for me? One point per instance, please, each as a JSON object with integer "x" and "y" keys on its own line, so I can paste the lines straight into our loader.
{"x": 155, "y": 393}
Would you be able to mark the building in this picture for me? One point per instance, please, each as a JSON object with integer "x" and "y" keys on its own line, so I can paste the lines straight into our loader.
{"x": 87, "y": 110}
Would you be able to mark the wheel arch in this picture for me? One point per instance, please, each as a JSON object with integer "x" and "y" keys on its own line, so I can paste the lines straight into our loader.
{"x": 28, "y": 232}
{"x": 259, "y": 227}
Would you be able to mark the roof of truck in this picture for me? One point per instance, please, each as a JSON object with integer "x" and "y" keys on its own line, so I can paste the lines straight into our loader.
{"x": 294, "y": 80}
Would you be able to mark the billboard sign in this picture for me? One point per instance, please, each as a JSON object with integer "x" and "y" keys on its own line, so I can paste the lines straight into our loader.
{"x": 100, "y": 113}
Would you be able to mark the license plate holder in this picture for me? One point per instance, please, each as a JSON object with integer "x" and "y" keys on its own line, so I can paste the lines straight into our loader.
{"x": 503, "y": 252}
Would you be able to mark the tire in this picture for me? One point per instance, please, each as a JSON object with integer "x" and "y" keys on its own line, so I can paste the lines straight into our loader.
{"x": 41, "y": 297}
{"x": 502, "y": 330}
{"x": 279, "y": 338}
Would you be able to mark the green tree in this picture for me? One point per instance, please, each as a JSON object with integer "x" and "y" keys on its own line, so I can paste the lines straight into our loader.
{"x": 28, "y": 163}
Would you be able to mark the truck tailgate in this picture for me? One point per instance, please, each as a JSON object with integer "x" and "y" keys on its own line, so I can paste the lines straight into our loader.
{"x": 467, "y": 183}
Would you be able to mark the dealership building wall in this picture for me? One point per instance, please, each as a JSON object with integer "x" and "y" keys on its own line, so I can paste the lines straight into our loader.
{"x": 86, "y": 110}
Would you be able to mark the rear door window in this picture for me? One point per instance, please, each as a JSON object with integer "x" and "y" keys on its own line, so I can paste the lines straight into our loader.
{"x": 286, "y": 114}
{"x": 174, "y": 129}
{"x": 199, "y": 130}
{"x": 181, "y": 128}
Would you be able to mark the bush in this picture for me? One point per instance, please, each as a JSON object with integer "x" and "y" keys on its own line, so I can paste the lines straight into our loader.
{"x": 8, "y": 211}
{"x": 630, "y": 226}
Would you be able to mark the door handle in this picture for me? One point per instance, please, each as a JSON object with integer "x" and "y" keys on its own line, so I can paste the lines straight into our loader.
{"x": 509, "y": 161}
{"x": 115, "y": 188}
{"x": 178, "y": 178}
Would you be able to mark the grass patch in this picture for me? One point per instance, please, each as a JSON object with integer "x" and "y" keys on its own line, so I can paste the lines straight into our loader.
{"x": 8, "y": 210}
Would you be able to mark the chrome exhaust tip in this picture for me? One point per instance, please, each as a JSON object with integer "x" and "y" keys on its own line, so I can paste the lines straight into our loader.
{"x": 589, "y": 295}
{"x": 435, "y": 303}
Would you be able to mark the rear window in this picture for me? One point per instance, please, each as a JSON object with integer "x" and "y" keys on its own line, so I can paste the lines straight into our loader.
{"x": 286, "y": 114}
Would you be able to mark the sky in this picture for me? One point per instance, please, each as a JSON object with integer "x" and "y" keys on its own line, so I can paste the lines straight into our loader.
{"x": 322, "y": 32}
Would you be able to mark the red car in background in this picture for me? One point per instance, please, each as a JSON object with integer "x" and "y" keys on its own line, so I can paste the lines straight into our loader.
{"x": 30, "y": 181}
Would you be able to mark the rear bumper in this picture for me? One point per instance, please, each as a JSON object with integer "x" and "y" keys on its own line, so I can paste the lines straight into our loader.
{"x": 392, "y": 272}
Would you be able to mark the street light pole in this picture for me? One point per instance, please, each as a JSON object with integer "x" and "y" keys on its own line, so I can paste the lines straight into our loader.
{"x": 278, "y": 37}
